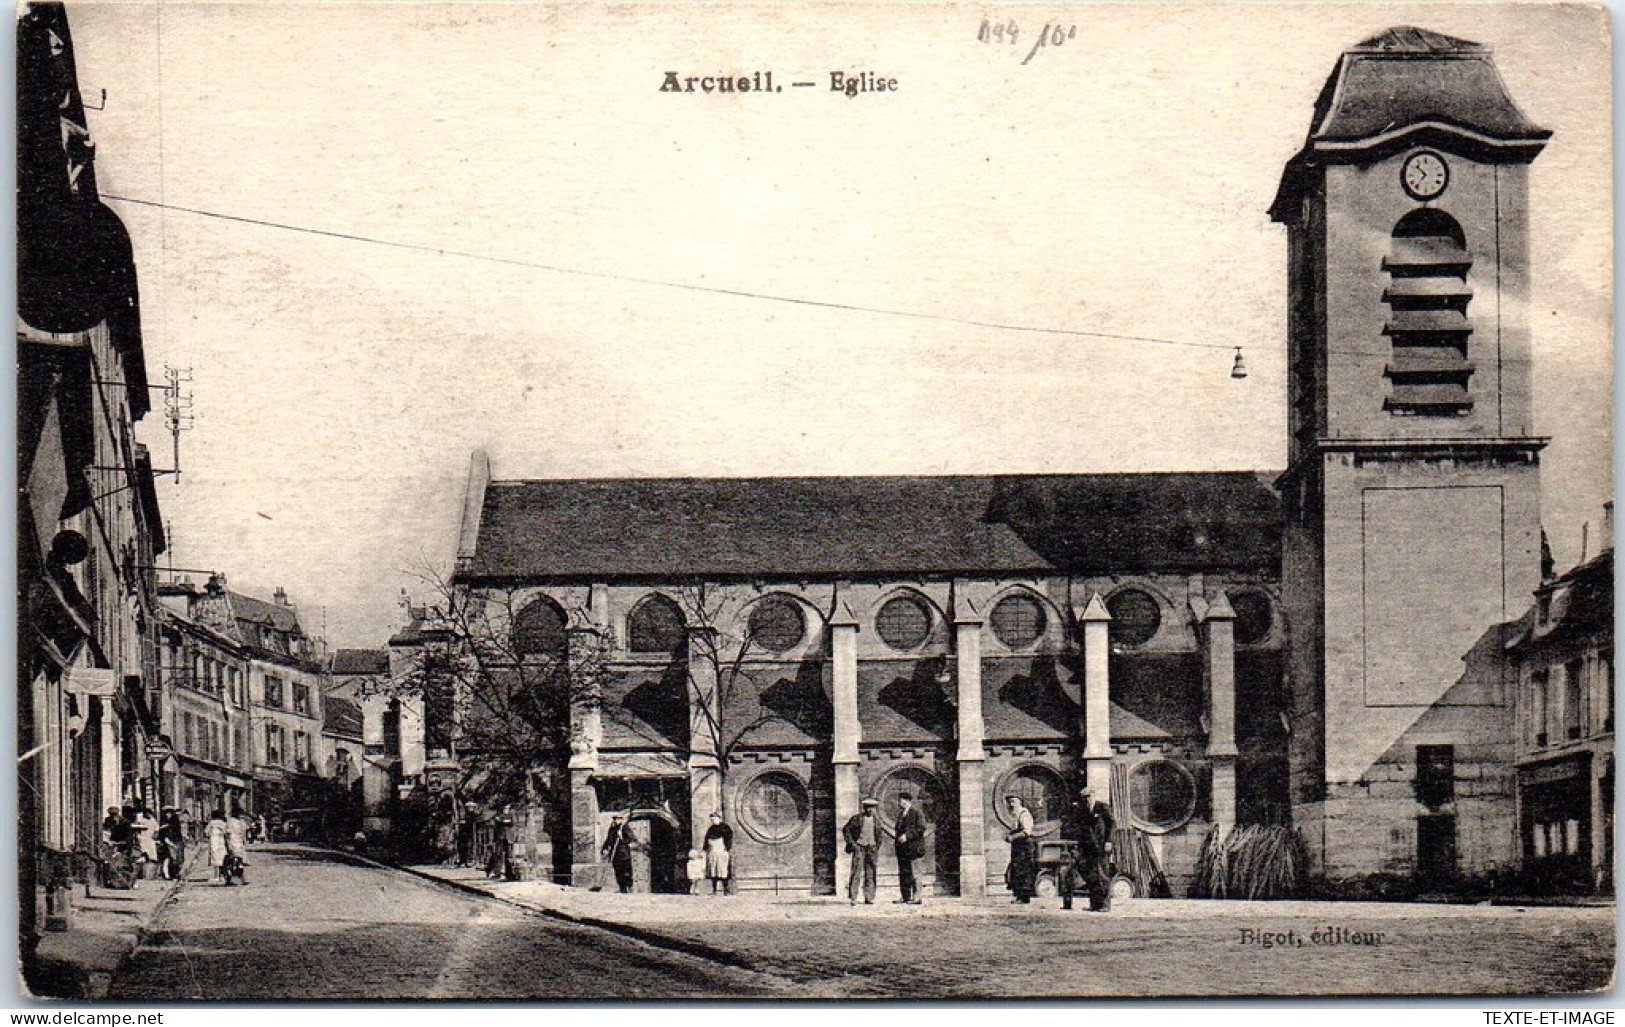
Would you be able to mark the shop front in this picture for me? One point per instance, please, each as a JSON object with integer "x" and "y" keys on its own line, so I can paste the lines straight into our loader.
{"x": 1556, "y": 824}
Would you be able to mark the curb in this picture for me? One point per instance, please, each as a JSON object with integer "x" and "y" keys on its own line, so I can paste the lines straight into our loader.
{"x": 90, "y": 982}
{"x": 686, "y": 946}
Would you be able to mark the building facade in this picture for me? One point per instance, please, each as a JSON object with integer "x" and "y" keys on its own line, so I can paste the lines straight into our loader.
{"x": 205, "y": 713}
{"x": 88, "y": 522}
{"x": 1412, "y": 491}
{"x": 279, "y": 737}
{"x": 1564, "y": 661}
{"x": 777, "y": 649}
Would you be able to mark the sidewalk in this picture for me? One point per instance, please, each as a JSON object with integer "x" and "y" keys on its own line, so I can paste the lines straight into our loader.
{"x": 105, "y": 927}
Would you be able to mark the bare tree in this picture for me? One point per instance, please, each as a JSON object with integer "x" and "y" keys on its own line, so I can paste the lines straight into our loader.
{"x": 500, "y": 692}
{"x": 720, "y": 675}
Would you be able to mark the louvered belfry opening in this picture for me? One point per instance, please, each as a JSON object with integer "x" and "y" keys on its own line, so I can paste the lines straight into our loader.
{"x": 1427, "y": 295}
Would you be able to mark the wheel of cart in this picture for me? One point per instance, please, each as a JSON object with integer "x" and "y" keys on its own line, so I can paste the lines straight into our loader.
{"x": 1124, "y": 886}
{"x": 1050, "y": 856}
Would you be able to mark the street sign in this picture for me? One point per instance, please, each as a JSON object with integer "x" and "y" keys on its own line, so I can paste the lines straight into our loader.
{"x": 101, "y": 681}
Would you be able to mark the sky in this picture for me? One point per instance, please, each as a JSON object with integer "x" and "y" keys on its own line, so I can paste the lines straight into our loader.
{"x": 384, "y": 235}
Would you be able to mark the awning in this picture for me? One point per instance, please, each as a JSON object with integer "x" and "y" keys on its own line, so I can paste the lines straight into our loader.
{"x": 75, "y": 265}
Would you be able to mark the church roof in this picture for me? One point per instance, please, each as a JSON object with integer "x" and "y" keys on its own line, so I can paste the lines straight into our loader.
{"x": 1405, "y": 86}
{"x": 1406, "y": 76}
{"x": 805, "y": 528}
{"x": 360, "y": 661}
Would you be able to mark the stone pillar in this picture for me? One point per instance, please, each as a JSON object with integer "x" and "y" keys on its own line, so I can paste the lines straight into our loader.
{"x": 843, "y": 647}
{"x": 586, "y": 732}
{"x": 972, "y": 754}
{"x": 1219, "y": 668}
{"x": 1097, "y": 702}
{"x": 704, "y": 730}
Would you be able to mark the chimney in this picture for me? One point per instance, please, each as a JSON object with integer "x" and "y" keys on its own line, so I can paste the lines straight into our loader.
{"x": 280, "y": 595}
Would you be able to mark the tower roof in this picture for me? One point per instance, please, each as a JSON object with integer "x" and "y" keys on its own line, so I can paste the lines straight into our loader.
{"x": 1405, "y": 86}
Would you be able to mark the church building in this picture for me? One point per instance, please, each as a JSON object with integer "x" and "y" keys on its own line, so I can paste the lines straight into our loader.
{"x": 1319, "y": 647}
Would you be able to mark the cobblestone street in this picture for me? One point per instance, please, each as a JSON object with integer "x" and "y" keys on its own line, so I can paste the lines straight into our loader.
{"x": 315, "y": 924}
{"x": 949, "y": 948}
{"x": 318, "y": 925}
{"x": 1052, "y": 953}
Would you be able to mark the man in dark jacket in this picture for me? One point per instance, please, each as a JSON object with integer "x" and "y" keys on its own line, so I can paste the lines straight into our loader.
{"x": 617, "y": 851}
{"x": 1089, "y": 827}
{"x": 910, "y": 847}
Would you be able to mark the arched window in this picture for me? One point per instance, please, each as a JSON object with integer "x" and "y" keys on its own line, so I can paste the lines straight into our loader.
{"x": 1253, "y": 616}
{"x": 1018, "y": 621}
{"x": 538, "y": 630}
{"x": 1428, "y": 294}
{"x": 1135, "y": 617}
{"x": 656, "y": 626}
{"x": 777, "y": 625}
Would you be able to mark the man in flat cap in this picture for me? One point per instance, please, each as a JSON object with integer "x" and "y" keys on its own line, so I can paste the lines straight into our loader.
{"x": 910, "y": 846}
{"x": 862, "y": 834}
{"x": 1088, "y": 826}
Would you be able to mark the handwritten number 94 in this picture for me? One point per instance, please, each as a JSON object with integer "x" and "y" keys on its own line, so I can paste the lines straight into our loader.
{"x": 1009, "y": 32}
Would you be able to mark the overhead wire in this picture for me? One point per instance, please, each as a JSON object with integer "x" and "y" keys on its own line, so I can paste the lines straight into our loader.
{"x": 717, "y": 290}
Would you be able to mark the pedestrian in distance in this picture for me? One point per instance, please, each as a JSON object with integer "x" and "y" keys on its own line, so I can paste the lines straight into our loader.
{"x": 465, "y": 834}
{"x": 862, "y": 833}
{"x": 188, "y": 826}
{"x": 617, "y": 851}
{"x": 145, "y": 829}
{"x": 171, "y": 845}
{"x": 119, "y": 842}
{"x": 910, "y": 839}
{"x": 236, "y": 847}
{"x": 695, "y": 870}
{"x": 215, "y": 832}
{"x": 719, "y": 844}
{"x": 498, "y": 862}
{"x": 1022, "y": 873}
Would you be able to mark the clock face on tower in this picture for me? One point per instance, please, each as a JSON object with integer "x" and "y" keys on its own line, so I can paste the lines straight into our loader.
{"x": 1425, "y": 175}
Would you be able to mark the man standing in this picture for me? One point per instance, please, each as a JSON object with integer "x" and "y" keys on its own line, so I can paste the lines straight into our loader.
{"x": 1098, "y": 867}
{"x": 617, "y": 851}
{"x": 1076, "y": 826}
{"x": 910, "y": 847}
{"x": 862, "y": 834}
{"x": 1089, "y": 828}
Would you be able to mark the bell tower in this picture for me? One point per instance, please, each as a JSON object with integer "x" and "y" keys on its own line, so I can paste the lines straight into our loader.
{"x": 1412, "y": 489}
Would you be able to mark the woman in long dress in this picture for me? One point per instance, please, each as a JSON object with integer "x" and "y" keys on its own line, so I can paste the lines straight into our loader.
{"x": 171, "y": 846}
{"x": 719, "y": 843}
{"x": 1022, "y": 873}
{"x": 215, "y": 832}
{"x": 146, "y": 839}
{"x": 237, "y": 844}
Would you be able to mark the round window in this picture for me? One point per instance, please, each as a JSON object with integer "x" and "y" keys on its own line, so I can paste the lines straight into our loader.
{"x": 1252, "y": 616}
{"x": 904, "y": 623}
{"x": 1135, "y": 617}
{"x": 776, "y": 624}
{"x": 1041, "y": 789}
{"x": 1161, "y": 795}
{"x": 774, "y": 807}
{"x": 1018, "y": 621}
{"x": 916, "y": 781}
